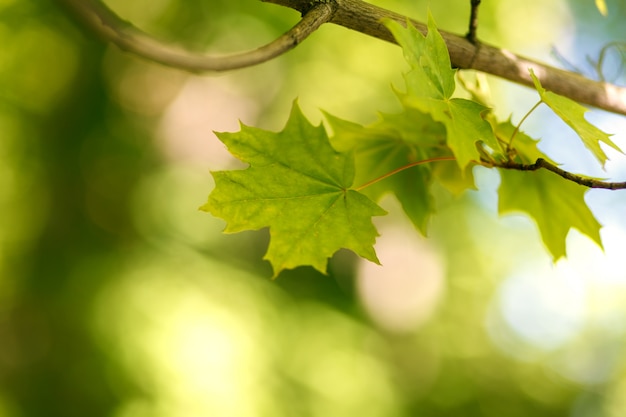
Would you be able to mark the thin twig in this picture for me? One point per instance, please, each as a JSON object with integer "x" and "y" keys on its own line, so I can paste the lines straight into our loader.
{"x": 620, "y": 47}
{"x": 578, "y": 179}
{"x": 103, "y": 21}
{"x": 473, "y": 22}
{"x": 540, "y": 163}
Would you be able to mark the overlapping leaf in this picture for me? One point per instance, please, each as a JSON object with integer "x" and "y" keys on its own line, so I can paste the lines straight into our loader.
{"x": 299, "y": 187}
{"x": 430, "y": 86}
{"x": 302, "y": 188}
{"x": 396, "y": 141}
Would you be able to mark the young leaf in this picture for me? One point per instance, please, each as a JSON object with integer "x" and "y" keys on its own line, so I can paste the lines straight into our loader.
{"x": 430, "y": 85}
{"x": 555, "y": 205}
{"x": 299, "y": 187}
{"x": 573, "y": 114}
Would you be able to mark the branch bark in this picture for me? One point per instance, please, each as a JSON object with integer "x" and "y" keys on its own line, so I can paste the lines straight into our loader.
{"x": 97, "y": 17}
{"x": 366, "y": 18}
{"x": 356, "y": 15}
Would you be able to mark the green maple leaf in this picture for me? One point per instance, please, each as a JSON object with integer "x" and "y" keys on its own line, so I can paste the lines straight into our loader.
{"x": 555, "y": 205}
{"x": 299, "y": 187}
{"x": 393, "y": 142}
{"x": 573, "y": 114}
{"x": 430, "y": 86}
{"x": 384, "y": 147}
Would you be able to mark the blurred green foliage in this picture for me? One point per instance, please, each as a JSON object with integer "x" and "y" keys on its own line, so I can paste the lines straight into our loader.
{"x": 119, "y": 298}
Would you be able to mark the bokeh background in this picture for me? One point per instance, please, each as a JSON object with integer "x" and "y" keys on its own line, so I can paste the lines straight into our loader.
{"x": 119, "y": 298}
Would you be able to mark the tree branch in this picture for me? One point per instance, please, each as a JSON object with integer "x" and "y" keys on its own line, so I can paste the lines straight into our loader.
{"x": 104, "y": 22}
{"x": 356, "y": 15}
{"x": 578, "y": 179}
{"x": 366, "y": 18}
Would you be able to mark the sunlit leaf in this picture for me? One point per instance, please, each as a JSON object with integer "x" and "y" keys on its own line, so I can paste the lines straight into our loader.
{"x": 299, "y": 187}
{"x": 573, "y": 114}
{"x": 601, "y": 5}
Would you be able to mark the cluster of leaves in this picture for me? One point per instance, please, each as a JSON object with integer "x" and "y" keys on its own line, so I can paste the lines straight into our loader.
{"x": 318, "y": 194}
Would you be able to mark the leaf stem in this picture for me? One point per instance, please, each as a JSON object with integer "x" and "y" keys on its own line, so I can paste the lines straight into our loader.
{"x": 402, "y": 168}
{"x": 509, "y": 147}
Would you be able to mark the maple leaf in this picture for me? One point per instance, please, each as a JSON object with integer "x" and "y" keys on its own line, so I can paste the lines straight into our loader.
{"x": 555, "y": 205}
{"x": 299, "y": 187}
{"x": 430, "y": 86}
{"x": 395, "y": 141}
{"x": 573, "y": 114}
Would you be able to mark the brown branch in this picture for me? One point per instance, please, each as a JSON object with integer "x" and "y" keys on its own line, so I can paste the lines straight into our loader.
{"x": 359, "y": 16}
{"x": 578, "y": 179}
{"x": 473, "y": 22}
{"x": 366, "y": 18}
{"x": 97, "y": 17}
